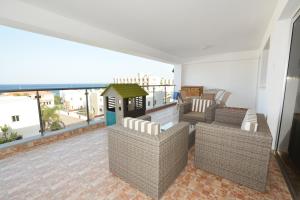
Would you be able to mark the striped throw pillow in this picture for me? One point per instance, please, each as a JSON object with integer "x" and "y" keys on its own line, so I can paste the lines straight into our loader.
{"x": 200, "y": 105}
{"x": 143, "y": 126}
{"x": 250, "y": 121}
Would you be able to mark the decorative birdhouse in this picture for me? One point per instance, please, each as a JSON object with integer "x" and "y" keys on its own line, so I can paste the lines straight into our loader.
{"x": 123, "y": 100}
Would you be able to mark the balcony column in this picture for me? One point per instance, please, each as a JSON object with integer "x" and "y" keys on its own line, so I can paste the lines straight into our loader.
{"x": 177, "y": 77}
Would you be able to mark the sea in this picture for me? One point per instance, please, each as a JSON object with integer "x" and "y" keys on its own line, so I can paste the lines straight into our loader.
{"x": 50, "y": 87}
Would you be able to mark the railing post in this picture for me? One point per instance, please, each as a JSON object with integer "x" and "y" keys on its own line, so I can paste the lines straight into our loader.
{"x": 174, "y": 93}
{"x": 40, "y": 112}
{"x": 87, "y": 106}
{"x": 165, "y": 94}
{"x": 153, "y": 88}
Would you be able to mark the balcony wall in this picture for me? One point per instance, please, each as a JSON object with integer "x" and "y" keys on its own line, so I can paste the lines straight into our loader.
{"x": 38, "y": 114}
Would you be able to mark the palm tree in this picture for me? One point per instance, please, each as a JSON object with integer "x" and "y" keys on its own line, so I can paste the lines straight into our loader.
{"x": 4, "y": 130}
{"x": 51, "y": 119}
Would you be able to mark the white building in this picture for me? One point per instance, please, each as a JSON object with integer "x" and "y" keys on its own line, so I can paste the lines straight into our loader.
{"x": 143, "y": 79}
{"x": 21, "y": 114}
{"x": 157, "y": 101}
{"x": 46, "y": 97}
{"x": 73, "y": 99}
{"x": 96, "y": 103}
{"x": 159, "y": 92}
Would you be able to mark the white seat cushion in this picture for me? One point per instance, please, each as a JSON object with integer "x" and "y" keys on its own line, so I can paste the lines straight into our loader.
{"x": 250, "y": 121}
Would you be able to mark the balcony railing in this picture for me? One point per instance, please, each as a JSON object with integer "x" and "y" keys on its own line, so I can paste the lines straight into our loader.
{"x": 37, "y": 110}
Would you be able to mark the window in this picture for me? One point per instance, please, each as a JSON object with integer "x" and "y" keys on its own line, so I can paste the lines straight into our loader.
{"x": 139, "y": 102}
{"x": 111, "y": 103}
{"x": 15, "y": 118}
{"x": 149, "y": 103}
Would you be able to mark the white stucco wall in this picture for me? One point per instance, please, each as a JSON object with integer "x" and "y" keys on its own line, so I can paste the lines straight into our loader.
{"x": 270, "y": 99}
{"x": 234, "y": 72}
{"x": 261, "y": 96}
{"x": 277, "y": 67}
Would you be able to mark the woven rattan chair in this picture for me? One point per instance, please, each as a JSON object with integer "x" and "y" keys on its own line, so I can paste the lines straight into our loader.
{"x": 186, "y": 114}
{"x": 149, "y": 163}
{"x": 222, "y": 148}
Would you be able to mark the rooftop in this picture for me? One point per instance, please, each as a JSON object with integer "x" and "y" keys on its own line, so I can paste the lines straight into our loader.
{"x": 10, "y": 99}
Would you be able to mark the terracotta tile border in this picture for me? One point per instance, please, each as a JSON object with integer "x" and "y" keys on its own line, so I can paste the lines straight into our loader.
{"x": 12, "y": 148}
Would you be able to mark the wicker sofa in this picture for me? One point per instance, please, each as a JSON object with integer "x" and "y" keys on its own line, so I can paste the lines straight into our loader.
{"x": 224, "y": 149}
{"x": 186, "y": 114}
{"x": 149, "y": 163}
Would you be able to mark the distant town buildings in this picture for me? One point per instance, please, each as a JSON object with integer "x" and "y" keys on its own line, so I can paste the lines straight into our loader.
{"x": 19, "y": 110}
{"x": 156, "y": 100}
{"x": 156, "y": 95}
{"x": 73, "y": 99}
{"x": 47, "y": 97}
{"x": 143, "y": 80}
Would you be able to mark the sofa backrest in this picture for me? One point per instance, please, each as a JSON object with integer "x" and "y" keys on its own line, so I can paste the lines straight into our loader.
{"x": 230, "y": 115}
{"x": 200, "y": 105}
{"x": 143, "y": 126}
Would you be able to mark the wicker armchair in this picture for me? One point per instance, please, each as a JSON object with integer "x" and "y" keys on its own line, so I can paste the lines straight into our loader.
{"x": 149, "y": 163}
{"x": 224, "y": 149}
{"x": 186, "y": 114}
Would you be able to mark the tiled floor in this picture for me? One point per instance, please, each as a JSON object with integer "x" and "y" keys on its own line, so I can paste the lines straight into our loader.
{"x": 77, "y": 168}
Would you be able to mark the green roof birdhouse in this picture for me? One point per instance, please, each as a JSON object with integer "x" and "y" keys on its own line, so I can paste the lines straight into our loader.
{"x": 123, "y": 100}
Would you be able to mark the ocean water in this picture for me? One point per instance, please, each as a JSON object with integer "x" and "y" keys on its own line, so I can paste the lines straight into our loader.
{"x": 55, "y": 87}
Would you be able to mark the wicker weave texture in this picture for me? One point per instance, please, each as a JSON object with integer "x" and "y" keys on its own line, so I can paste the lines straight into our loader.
{"x": 184, "y": 108}
{"x": 230, "y": 115}
{"x": 145, "y": 117}
{"x": 240, "y": 156}
{"x": 149, "y": 163}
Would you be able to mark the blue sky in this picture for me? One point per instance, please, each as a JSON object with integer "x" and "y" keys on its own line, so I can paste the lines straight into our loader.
{"x": 30, "y": 58}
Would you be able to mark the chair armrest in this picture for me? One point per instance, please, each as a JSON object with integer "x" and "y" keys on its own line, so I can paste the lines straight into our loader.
{"x": 230, "y": 115}
{"x": 176, "y": 129}
{"x": 184, "y": 108}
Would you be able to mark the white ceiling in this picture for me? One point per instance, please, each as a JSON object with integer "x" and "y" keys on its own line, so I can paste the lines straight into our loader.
{"x": 186, "y": 29}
